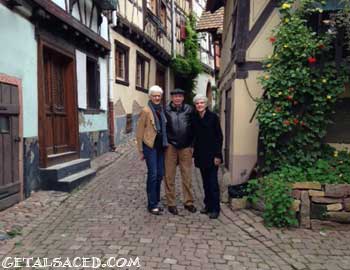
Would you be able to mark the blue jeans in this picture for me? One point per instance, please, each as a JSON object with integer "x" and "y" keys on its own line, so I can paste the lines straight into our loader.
{"x": 155, "y": 166}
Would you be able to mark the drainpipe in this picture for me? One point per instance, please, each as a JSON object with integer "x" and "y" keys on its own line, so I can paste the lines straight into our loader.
{"x": 173, "y": 28}
{"x": 111, "y": 126}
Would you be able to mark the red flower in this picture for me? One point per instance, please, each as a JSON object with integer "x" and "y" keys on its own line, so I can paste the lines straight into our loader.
{"x": 290, "y": 97}
{"x": 296, "y": 121}
{"x": 302, "y": 123}
{"x": 286, "y": 122}
{"x": 272, "y": 39}
{"x": 312, "y": 60}
{"x": 321, "y": 46}
{"x": 278, "y": 109}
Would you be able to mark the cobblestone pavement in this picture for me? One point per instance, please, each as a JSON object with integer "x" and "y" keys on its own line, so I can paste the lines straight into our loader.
{"x": 108, "y": 218}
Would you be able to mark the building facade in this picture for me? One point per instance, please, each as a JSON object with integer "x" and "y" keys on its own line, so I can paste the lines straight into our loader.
{"x": 144, "y": 38}
{"x": 205, "y": 81}
{"x": 54, "y": 84}
{"x": 245, "y": 43}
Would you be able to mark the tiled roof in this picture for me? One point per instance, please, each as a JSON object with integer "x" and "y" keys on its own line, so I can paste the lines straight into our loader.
{"x": 211, "y": 21}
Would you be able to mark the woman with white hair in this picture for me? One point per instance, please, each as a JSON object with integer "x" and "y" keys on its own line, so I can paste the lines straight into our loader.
{"x": 207, "y": 153}
{"x": 151, "y": 140}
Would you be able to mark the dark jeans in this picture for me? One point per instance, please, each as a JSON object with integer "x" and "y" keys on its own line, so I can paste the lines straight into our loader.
{"x": 155, "y": 166}
{"x": 211, "y": 189}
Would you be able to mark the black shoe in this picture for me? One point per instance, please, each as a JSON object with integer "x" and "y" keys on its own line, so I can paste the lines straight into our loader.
{"x": 155, "y": 211}
{"x": 204, "y": 211}
{"x": 191, "y": 208}
{"x": 213, "y": 215}
{"x": 173, "y": 210}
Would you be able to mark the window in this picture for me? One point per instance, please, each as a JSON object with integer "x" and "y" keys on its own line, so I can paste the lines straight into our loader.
{"x": 93, "y": 83}
{"x": 121, "y": 64}
{"x": 142, "y": 72}
{"x": 163, "y": 15}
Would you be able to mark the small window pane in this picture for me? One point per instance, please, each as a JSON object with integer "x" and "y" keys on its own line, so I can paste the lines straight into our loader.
{"x": 4, "y": 124}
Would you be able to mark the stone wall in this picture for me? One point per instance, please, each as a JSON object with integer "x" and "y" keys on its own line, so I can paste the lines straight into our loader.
{"x": 320, "y": 206}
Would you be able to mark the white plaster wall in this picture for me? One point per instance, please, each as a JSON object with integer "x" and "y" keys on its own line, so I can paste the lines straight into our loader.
{"x": 75, "y": 13}
{"x": 61, "y": 3}
{"x": 104, "y": 28}
{"x": 202, "y": 83}
{"x": 81, "y": 79}
{"x": 103, "y": 83}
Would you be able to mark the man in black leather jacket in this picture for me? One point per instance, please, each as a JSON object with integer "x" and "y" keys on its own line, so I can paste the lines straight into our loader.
{"x": 180, "y": 136}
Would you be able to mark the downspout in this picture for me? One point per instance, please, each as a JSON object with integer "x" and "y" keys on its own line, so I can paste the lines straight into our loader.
{"x": 111, "y": 126}
{"x": 173, "y": 28}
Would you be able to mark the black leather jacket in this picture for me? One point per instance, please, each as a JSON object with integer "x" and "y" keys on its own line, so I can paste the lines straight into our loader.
{"x": 179, "y": 125}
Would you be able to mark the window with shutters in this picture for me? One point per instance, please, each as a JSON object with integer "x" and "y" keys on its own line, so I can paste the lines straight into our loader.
{"x": 93, "y": 83}
{"x": 121, "y": 63}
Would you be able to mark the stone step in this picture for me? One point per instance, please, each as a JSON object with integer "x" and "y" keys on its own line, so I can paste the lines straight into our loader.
{"x": 62, "y": 170}
{"x": 67, "y": 184}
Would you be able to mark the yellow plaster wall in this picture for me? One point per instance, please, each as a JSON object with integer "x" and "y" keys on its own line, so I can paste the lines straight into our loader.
{"x": 261, "y": 46}
{"x": 256, "y": 7}
{"x": 128, "y": 94}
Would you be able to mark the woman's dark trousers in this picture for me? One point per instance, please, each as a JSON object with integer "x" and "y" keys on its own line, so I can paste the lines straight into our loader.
{"x": 211, "y": 189}
{"x": 155, "y": 165}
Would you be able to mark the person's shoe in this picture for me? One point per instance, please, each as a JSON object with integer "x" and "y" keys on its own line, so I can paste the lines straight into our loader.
{"x": 173, "y": 210}
{"x": 161, "y": 209}
{"x": 213, "y": 215}
{"x": 191, "y": 208}
{"x": 204, "y": 211}
{"x": 155, "y": 211}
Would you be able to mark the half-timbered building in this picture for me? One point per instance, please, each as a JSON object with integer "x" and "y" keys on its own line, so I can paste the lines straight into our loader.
{"x": 248, "y": 24}
{"x": 53, "y": 93}
{"x": 147, "y": 34}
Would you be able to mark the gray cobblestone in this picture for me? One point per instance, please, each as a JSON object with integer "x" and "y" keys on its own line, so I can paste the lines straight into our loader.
{"x": 108, "y": 217}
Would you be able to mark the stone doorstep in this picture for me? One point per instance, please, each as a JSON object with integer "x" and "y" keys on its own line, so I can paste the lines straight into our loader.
{"x": 296, "y": 205}
{"x": 307, "y": 185}
{"x": 337, "y": 191}
{"x": 316, "y": 193}
{"x": 334, "y": 207}
{"x": 341, "y": 217}
{"x": 346, "y": 204}
{"x": 238, "y": 203}
{"x": 305, "y": 210}
{"x": 325, "y": 200}
{"x": 321, "y": 225}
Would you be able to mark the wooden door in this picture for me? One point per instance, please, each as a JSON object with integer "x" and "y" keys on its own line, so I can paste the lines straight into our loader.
{"x": 57, "y": 125}
{"x": 9, "y": 145}
{"x": 227, "y": 128}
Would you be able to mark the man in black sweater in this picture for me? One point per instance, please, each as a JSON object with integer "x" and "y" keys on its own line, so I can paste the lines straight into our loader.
{"x": 180, "y": 136}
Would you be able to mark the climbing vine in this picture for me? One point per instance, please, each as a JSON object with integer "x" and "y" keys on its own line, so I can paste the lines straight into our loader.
{"x": 301, "y": 84}
{"x": 188, "y": 67}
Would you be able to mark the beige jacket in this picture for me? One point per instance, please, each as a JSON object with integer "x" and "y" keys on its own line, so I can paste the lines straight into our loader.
{"x": 146, "y": 130}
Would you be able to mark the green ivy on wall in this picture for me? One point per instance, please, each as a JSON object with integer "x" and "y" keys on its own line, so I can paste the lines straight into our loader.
{"x": 301, "y": 83}
{"x": 188, "y": 67}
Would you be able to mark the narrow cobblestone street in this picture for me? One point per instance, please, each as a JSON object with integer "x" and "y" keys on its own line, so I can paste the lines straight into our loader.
{"x": 108, "y": 218}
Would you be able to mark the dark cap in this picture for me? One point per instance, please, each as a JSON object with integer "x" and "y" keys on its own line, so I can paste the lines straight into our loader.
{"x": 177, "y": 91}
